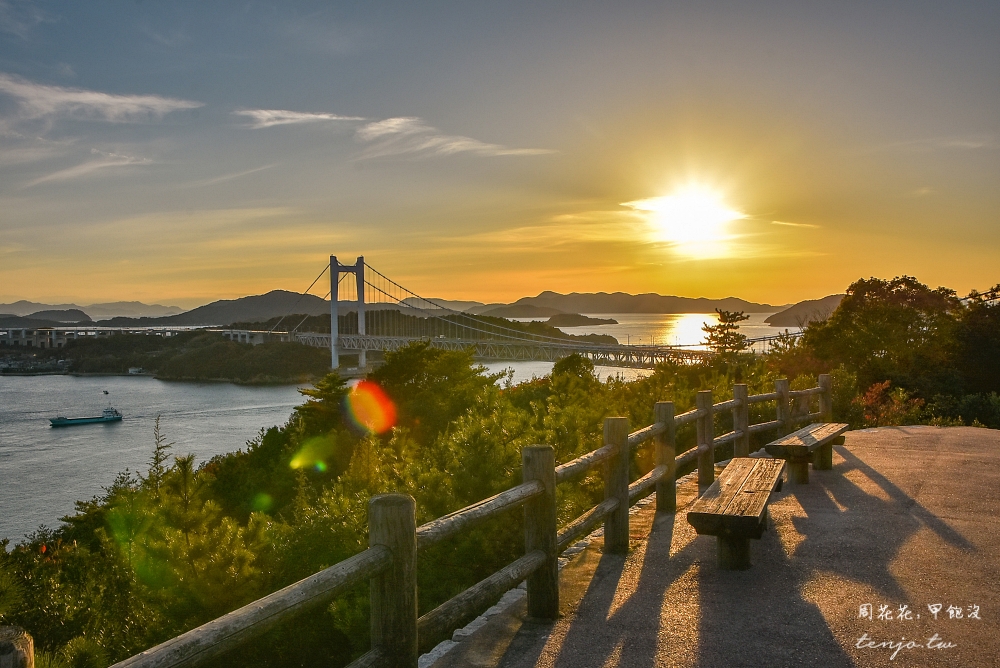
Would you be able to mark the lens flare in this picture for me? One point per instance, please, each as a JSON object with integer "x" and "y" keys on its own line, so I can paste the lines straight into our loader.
{"x": 262, "y": 502}
{"x": 314, "y": 453}
{"x": 368, "y": 407}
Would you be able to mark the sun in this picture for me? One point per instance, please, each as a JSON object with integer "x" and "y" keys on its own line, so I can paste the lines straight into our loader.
{"x": 694, "y": 220}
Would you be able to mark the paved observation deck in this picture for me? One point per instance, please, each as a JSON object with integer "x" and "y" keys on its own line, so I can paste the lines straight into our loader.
{"x": 909, "y": 516}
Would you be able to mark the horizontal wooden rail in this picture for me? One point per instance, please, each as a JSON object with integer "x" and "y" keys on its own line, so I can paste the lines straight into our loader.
{"x": 584, "y": 463}
{"x": 585, "y": 523}
{"x": 806, "y": 417}
{"x": 396, "y": 631}
{"x": 727, "y": 405}
{"x": 372, "y": 659}
{"x": 758, "y": 398}
{"x": 687, "y": 457}
{"x": 646, "y": 483}
{"x": 690, "y": 416}
{"x": 227, "y": 632}
{"x": 726, "y": 438}
{"x": 453, "y": 523}
{"x": 764, "y": 426}
{"x": 646, "y": 433}
{"x": 438, "y": 624}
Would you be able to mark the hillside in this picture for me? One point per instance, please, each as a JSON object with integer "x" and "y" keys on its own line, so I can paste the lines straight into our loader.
{"x": 94, "y": 311}
{"x": 621, "y": 302}
{"x": 521, "y": 311}
{"x": 804, "y": 312}
{"x": 274, "y": 304}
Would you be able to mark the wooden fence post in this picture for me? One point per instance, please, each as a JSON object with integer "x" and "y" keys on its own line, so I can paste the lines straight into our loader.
{"x": 391, "y": 522}
{"x": 741, "y": 421}
{"x": 616, "y": 485}
{"x": 826, "y": 397}
{"x": 538, "y": 462}
{"x": 17, "y": 649}
{"x": 823, "y": 457}
{"x": 666, "y": 450}
{"x": 706, "y": 433}
{"x": 783, "y": 411}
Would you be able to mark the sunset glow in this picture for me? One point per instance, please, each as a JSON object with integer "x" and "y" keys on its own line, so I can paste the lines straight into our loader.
{"x": 694, "y": 220}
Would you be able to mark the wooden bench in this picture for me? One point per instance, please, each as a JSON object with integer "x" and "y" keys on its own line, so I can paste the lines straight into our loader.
{"x": 813, "y": 443}
{"x": 734, "y": 508}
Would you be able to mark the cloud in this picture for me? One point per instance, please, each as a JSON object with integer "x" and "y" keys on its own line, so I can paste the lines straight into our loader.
{"x": 40, "y": 101}
{"x": 409, "y": 135}
{"x": 787, "y": 224}
{"x": 107, "y": 160}
{"x": 228, "y": 177}
{"x": 265, "y": 118}
{"x": 953, "y": 143}
{"x": 19, "y": 17}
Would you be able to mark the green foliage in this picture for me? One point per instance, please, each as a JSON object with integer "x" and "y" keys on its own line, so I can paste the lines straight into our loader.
{"x": 196, "y": 356}
{"x": 725, "y": 338}
{"x": 898, "y": 330}
{"x": 160, "y": 553}
{"x": 978, "y": 343}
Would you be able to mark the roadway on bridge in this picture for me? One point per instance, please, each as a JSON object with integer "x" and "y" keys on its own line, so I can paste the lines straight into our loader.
{"x": 910, "y": 516}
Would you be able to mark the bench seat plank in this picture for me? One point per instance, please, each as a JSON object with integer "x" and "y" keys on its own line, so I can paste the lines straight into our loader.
{"x": 736, "y": 503}
{"x": 814, "y": 443}
{"x": 807, "y": 439}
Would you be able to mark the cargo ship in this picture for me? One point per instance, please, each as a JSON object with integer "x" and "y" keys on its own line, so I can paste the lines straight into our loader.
{"x": 109, "y": 414}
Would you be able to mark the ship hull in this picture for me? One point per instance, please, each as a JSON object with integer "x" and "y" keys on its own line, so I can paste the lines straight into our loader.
{"x": 69, "y": 422}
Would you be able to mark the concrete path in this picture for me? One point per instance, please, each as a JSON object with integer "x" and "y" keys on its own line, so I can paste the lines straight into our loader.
{"x": 908, "y": 518}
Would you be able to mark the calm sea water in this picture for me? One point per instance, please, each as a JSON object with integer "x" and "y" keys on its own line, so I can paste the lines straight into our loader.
{"x": 666, "y": 329}
{"x": 43, "y": 470}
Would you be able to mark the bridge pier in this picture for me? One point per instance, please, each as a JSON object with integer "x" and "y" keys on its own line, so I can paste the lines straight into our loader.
{"x": 336, "y": 269}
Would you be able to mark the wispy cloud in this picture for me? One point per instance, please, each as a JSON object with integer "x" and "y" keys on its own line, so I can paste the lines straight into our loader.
{"x": 106, "y": 160}
{"x": 40, "y": 100}
{"x": 948, "y": 143}
{"x": 228, "y": 177}
{"x": 19, "y": 17}
{"x": 787, "y": 224}
{"x": 409, "y": 135}
{"x": 265, "y": 118}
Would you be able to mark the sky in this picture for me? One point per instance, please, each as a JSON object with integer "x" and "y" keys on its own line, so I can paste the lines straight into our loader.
{"x": 183, "y": 152}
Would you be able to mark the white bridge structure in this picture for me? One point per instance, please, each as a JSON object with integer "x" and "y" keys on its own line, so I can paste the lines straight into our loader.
{"x": 371, "y": 312}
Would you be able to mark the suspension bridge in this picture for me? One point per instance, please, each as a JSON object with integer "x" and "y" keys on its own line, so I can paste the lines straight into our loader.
{"x": 370, "y": 312}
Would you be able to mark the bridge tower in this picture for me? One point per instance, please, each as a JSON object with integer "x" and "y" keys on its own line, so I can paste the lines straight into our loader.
{"x": 336, "y": 269}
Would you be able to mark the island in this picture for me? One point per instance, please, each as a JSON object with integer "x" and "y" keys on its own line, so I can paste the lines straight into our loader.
{"x": 577, "y": 320}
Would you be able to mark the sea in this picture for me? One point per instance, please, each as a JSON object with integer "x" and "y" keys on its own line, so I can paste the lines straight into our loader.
{"x": 44, "y": 470}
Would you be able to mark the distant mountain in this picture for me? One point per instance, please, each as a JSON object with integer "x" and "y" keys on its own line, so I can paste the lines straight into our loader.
{"x": 577, "y": 320}
{"x": 256, "y": 308}
{"x": 94, "y": 311}
{"x": 66, "y": 315}
{"x": 453, "y": 304}
{"x": 621, "y": 302}
{"x": 811, "y": 310}
{"x": 26, "y": 308}
{"x": 521, "y": 311}
{"x": 15, "y": 321}
{"x": 130, "y": 310}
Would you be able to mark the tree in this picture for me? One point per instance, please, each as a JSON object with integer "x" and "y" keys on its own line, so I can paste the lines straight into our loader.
{"x": 979, "y": 342}
{"x": 157, "y": 462}
{"x": 725, "y": 338}
{"x": 898, "y": 330}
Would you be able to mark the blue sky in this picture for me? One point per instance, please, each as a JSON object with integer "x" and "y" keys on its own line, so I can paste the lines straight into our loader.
{"x": 185, "y": 152}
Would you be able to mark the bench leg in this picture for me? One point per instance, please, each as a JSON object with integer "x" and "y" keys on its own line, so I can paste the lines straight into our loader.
{"x": 798, "y": 471}
{"x": 734, "y": 553}
{"x": 823, "y": 458}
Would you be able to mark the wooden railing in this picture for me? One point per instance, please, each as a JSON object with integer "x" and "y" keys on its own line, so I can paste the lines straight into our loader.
{"x": 398, "y": 635}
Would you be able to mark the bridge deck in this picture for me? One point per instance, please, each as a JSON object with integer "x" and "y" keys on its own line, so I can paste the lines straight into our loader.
{"x": 908, "y": 516}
